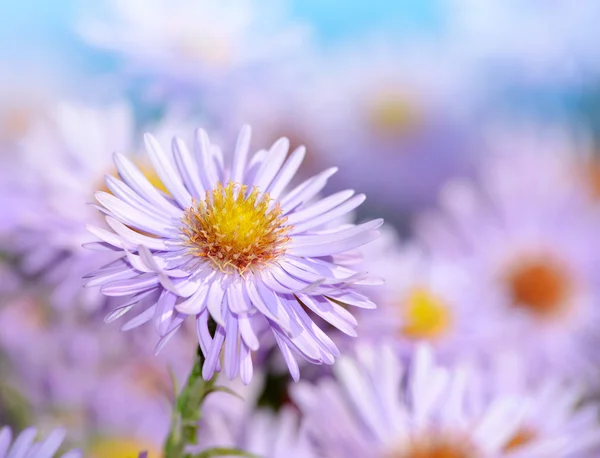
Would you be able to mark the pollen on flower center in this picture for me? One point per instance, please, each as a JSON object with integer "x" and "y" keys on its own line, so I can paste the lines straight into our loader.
{"x": 235, "y": 229}
{"x": 522, "y": 437}
{"x": 425, "y": 316}
{"x": 121, "y": 447}
{"x": 539, "y": 285}
{"x": 436, "y": 447}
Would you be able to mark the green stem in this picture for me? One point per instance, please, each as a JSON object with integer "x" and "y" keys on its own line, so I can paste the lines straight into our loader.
{"x": 187, "y": 412}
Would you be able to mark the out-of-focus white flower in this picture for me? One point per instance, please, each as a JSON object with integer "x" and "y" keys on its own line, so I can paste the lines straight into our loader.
{"x": 196, "y": 44}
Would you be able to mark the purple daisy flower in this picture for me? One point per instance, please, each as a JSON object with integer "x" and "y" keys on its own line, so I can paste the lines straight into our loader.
{"x": 229, "y": 244}
{"x": 426, "y": 298}
{"x": 529, "y": 238}
{"x": 46, "y": 216}
{"x": 25, "y": 446}
{"x": 377, "y": 408}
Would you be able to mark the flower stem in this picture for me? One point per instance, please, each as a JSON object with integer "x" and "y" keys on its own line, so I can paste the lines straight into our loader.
{"x": 187, "y": 412}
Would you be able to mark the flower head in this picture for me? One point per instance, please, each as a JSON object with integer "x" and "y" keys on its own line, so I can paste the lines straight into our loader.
{"x": 26, "y": 446}
{"x": 527, "y": 236}
{"x": 426, "y": 298}
{"x": 64, "y": 161}
{"x": 228, "y": 243}
{"x": 376, "y": 408}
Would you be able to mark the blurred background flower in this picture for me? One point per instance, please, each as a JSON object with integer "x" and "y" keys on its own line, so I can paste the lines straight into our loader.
{"x": 472, "y": 127}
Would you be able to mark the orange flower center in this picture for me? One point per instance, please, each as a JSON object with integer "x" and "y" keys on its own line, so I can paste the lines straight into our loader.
{"x": 436, "y": 447}
{"x": 236, "y": 230}
{"x": 539, "y": 285}
{"x": 522, "y": 437}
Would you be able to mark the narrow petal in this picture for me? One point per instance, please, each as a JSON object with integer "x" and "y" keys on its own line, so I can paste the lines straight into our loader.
{"x": 288, "y": 356}
{"x": 324, "y": 218}
{"x": 272, "y": 163}
{"x": 232, "y": 354}
{"x": 287, "y": 172}
{"x": 338, "y": 246}
{"x": 241, "y": 155}
{"x": 136, "y": 180}
{"x": 210, "y": 365}
{"x": 306, "y": 190}
{"x": 246, "y": 369}
{"x": 188, "y": 169}
{"x": 322, "y": 206}
{"x": 165, "y": 170}
{"x": 206, "y": 167}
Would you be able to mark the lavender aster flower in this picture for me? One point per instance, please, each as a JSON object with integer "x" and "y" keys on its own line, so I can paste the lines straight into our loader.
{"x": 426, "y": 298}
{"x": 65, "y": 159}
{"x": 377, "y": 409}
{"x": 24, "y": 446}
{"x": 229, "y": 244}
{"x": 528, "y": 237}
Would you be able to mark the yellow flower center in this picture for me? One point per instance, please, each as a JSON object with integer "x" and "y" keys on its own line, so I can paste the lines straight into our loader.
{"x": 539, "y": 285}
{"x": 426, "y": 316}
{"x": 234, "y": 229}
{"x": 394, "y": 116}
{"x": 436, "y": 447}
{"x": 121, "y": 447}
{"x": 522, "y": 437}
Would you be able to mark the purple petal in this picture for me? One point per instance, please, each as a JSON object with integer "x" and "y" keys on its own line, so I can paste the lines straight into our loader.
{"x": 130, "y": 286}
{"x": 142, "y": 318}
{"x": 241, "y": 154}
{"x": 247, "y": 331}
{"x": 306, "y": 190}
{"x": 337, "y": 212}
{"x": 338, "y": 246}
{"x": 246, "y": 369}
{"x": 272, "y": 163}
{"x": 165, "y": 309}
{"x": 188, "y": 169}
{"x": 165, "y": 170}
{"x": 206, "y": 167}
{"x": 196, "y": 303}
{"x": 325, "y": 310}
{"x": 210, "y": 365}
{"x": 320, "y": 207}
{"x": 232, "y": 356}
{"x": 287, "y": 172}
{"x": 291, "y": 362}
{"x": 136, "y": 180}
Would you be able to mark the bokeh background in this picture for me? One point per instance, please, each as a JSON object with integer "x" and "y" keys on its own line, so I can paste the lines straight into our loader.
{"x": 478, "y": 119}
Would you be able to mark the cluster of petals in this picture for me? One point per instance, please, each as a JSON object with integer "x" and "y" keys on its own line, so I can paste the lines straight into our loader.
{"x": 163, "y": 279}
